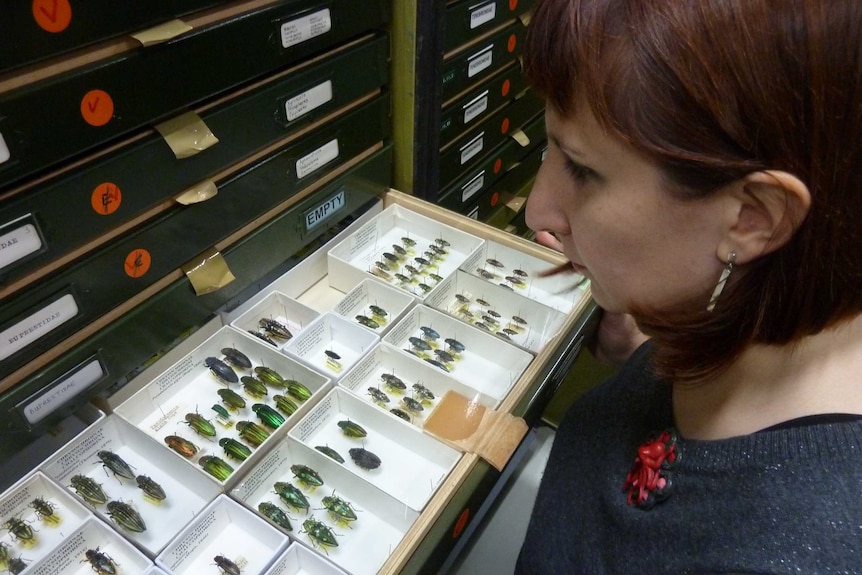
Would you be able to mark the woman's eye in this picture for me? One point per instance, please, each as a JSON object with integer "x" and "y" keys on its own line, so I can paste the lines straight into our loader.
{"x": 577, "y": 171}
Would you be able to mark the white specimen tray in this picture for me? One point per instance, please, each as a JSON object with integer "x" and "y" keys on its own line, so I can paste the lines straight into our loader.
{"x": 541, "y": 323}
{"x": 159, "y": 409}
{"x": 387, "y": 359}
{"x": 187, "y": 490}
{"x": 365, "y": 544}
{"x": 563, "y": 292}
{"x": 228, "y": 529}
{"x": 48, "y": 533}
{"x": 369, "y": 292}
{"x": 69, "y": 558}
{"x": 488, "y": 365}
{"x": 299, "y": 560}
{"x": 413, "y": 464}
{"x": 279, "y": 307}
{"x": 335, "y": 334}
{"x": 353, "y": 259}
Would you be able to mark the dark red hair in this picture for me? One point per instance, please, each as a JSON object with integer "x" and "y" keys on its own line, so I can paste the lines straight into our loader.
{"x": 712, "y": 90}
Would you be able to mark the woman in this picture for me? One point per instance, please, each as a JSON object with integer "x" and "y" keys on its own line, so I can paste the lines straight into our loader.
{"x": 704, "y": 171}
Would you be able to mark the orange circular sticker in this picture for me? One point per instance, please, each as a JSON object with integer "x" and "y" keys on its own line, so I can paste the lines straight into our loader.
{"x": 504, "y": 127}
{"x": 97, "y": 107}
{"x": 513, "y": 4}
{"x": 506, "y": 87}
{"x": 495, "y": 198}
{"x": 513, "y": 42}
{"x": 52, "y": 15}
{"x": 106, "y": 199}
{"x": 137, "y": 263}
{"x": 461, "y": 523}
{"x": 498, "y": 163}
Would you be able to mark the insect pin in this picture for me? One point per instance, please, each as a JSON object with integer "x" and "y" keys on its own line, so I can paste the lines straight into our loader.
{"x": 116, "y": 464}
{"x": 275, "y": 514}
{"x": 44, "y": 509}
{"x": 88, "y": 490}
{"x": 126, "y": 516}
{"x": 319, "y": 534}
{"x": 19, "y": 529}
{"x": 181, "y": 445}
{"x": 267, "y": 415}
{"x": 234, "y": 449}
{"x": 222, "y": 371}
{"x": 291, "y": 495}
{"x": 231, "y": 399}
{"x": 351, "y": 429}
{"x": 151, "y": 489}
{"x": 329, "y": 452}
{"x": 226, "y": 566}
{"x": 200, "y": 425}
{"x": 341, "y": 510}
{"x": 251, "y": 432}
{"x": 216, "y": 466}
{"x": 101, "y": 562}
{"x": 364, "y": 458}
{"x": 236, "y": 358}
{"x": 306, "y": 475}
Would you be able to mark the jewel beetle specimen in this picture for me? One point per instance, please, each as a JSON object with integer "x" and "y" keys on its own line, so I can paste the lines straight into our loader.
{"x": 19, "y": 529}
{"x": 216, "y": 466}
{"x": 16, "y": 565}
{"x": 444, "y": 356}
{"x": 269, "y": 376}
{"x": 116, "y": 464}
{"x": 411, "y": 404}
{"x": 44, "y": 509}
{"x": 402, "y": 278}
{"x": 390, "y": 257}
{"x": 329, "y": 452}
{"x": 429, "y": 333}
{"x": 101, "y": 562}
{"x": 319, "y": 533}
{"x": 291, "y": 495}
{"x": 485, "y": 274}
{"x": 441, "y": 242}
{"x": 421, "y": 261}
{"x": 519, "y": 320}
{"x": 297, "y": 390}
{"x": 401, "y": 413}
{"x": 367, "y": 322}
{"x": 378, "y": 311}
{"x": 408, "y": 241}
{"x": 495, "y": 263}
{"x": 424, "y": 287}
{"x": 378, "y": 395}
{"x": 332, "y": 360}
{"x": 181, "y": 445}
{"x": 226, "y": 566}
{"x": 275, "y": 514}
{"x": 150, "y": 488}
{"x": 393, "y": 382}
{"x": 263, "y": 337}
{"x": 351, "y": 429}
{"x": 419, "y": 344}
{"x": 306, "y": 475}
{"x": 340, "y": 509}
{"x": 236, "y": 358}
{"x": 267, "y": 415}
{"x": 364, "y": 458}
{"x": 4, "y": 553}
{"x": 253, "y": 386}
{"x": 221, "y": 413}
{"x": 482, "y": 302}
{"x": 462, "y": 298}
{"x": 275, "y": 328}
{"x": 221, "y": 370}
{"x": 381, "y": 273}
{"x": 399, "y": 250}
{"x": 251, "y": 432}
{"x": 515, "y": 281}
{"x": 126, "y": 516}
{"x": 285, "y": 405}
{"x": 437, "y": 363}
{"x": 410, "y": 269}
{"x": 423, "y": 392}
{"x": 88, "y": 489}
{"x": 200, "y": 425}
{"x": 234, "y": 449}
{"x": 383, "y": 266}
{"x": 231, "y": 399}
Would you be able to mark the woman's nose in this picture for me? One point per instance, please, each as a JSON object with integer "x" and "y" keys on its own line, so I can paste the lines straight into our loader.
{"x": 543, "y": 211}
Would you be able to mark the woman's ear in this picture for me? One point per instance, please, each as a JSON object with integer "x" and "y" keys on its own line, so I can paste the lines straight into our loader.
{"x": 765, "y": 210}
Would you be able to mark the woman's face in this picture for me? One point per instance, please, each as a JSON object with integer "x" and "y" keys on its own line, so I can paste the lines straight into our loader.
{"x": 617, "y": 223}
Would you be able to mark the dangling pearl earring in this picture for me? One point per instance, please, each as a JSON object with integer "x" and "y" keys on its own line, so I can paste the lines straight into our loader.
{"x": 719, "y": 287}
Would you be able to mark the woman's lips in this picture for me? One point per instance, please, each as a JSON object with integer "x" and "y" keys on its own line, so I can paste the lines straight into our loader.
{"x": 579, "y": 268}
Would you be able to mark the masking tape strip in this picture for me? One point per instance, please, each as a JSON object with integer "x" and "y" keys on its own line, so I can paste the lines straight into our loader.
{"x": 475, "y": 428}
{"x": 516, "y": 204}
{"x": 526, "y": 18}
{"x": 186, "y": 134}
{"x": 208, "y": 272}
{"x": 162, "y": 32}
{"x": 521, "y": 137}
{"x": 200, "y": 192}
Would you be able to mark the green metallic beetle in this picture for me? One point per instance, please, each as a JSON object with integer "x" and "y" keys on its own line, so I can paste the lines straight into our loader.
{"x": 251, "y": 432}
{"x": 44, "y": 509}
{"x": 275, "y": 514}
{"x": 19, "y": 529}
{"x": 150, "y": 488}
{"x": 216, "y": 466}
{"x": 126, "y": 516}
{"x": 320, "y": 535}
{"x": 116, "y": 464}
{"x": 254, "y": 387}
{"x": 285, "y": 405}
{"x": 306, "y": 475}
{"x": 297, "y": 390}
{"x": 351, "y": 429}
{"x": 329, "y": 452}
{"x": 231, "y": 399}
{"x": 291, "y": 495}
{"x": 221, "y": 413}
{"x": 269, "y": 376}
{"x": 234, "y": 449}
{"x": 267, "y": 415}
{"x": 89, "y": 490}
{"x": 340, "y": 509}
{"x": 200, "y": 425}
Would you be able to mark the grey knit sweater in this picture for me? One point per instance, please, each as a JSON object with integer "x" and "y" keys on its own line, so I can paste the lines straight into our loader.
{"x": 785, "y": 500}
